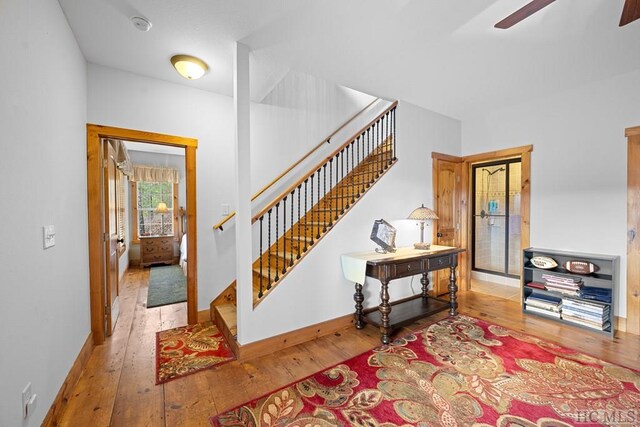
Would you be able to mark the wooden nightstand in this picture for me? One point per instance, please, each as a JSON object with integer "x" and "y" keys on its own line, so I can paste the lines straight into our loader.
{"x": 154, "y": 250}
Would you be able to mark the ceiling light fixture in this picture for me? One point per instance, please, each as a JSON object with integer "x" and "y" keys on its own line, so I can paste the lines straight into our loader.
{"x": 189, "y": 67}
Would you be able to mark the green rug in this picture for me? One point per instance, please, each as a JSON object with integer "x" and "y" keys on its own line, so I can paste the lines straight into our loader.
{"x": 167, "y": 285}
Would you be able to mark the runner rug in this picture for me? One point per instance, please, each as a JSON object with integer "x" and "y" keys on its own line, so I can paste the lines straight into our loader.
{"x": 189, "y": 349}
{"x": 457, "y": 372}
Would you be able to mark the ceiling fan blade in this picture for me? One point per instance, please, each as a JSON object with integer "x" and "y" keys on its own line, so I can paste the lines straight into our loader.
{"x": 526, "y": 11}
{"x": 631, "y": 12}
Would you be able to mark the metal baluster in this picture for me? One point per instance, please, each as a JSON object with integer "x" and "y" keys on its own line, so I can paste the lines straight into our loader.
{"x": 311, "y": 211}
{"x": 363, "y": 168}
{"x": 349, "y": 176}
{"x": 284, "y": 234}
{"x": 372, "y": 159}
{"x": 330, "y": 192}
{"x": 305, "y": 237}
{"x": 318, "y": 206}
{"x": 393, "y": 122}
{"x": 387, "y": 139}
{"x": 277, "y": 257}
{"x": 291, "y": 231}
{"x": 269, "y": 255}
{"x": 261, "y": 255}
{"x": 376, "y": 151}
{"x": 353, "y": 176}
{"x": 306, "y": 214}
{"x": 325, "y": 198}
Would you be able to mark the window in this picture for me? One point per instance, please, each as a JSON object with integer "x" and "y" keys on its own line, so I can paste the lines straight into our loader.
{"x": 151, "y": 196}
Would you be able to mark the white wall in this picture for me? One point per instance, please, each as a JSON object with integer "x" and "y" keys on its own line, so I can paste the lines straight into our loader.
{"x": 579, "y": 162}
{"x": 44, "y": 309}
{"x": 315, "y": 290}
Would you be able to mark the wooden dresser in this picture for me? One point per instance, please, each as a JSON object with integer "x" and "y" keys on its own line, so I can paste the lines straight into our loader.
{"x": 155, "y": 250}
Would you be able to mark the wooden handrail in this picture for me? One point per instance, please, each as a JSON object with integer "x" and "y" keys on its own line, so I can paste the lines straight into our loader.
{"x": 302, "y": 159}
{"x": 319, "y": 165}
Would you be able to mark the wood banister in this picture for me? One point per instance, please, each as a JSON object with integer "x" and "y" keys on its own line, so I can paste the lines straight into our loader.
{"x": 318, "y": 166}
{"x": 302, "y": 159}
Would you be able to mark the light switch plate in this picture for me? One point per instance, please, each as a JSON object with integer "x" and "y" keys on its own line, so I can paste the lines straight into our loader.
{"x": 26, "y": 397}
{"x": 49, "y": 236}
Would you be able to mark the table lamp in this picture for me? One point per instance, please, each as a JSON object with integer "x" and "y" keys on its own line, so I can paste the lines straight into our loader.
{"x": 422, "y": 215}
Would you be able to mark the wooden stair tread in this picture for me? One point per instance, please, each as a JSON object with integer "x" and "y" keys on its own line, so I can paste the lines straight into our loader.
{"x": 227, "y": 313}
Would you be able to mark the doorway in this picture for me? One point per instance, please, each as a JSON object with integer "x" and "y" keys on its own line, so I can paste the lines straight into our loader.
{"x": 495, "y": 227}
{"x": 96, "y": 134}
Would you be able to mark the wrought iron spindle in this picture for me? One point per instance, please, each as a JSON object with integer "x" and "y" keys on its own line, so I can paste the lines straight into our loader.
{"x": 305, "y": 237}
{"x": 330, "y": 192}
{"x": 340, "y": 183}
{"x": 311, "y": 211}
{"x": 353, "y": 175}
{"x": 291, "y": 231}
{"x": 376, "y": 151}
{"x": 372, "y": 157}
{"x": 388, "y": 141}
{"x": 318, "y": 207}
{"x": 363, "y": 169}
{"x": 277, "y": 257}
{"x": 261, "y": 255}
{"x": 284, "y": 234}
{"x": 269, "y": 249}
{"x": 349, "y": 177}
{"x": 393, "y": 114}
{"x": 325, "y": 198}
{"x": 306, "y": 214}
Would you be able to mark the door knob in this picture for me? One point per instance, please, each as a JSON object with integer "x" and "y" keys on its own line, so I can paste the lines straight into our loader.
{"x": 120, "y": 240}
{"x": 439, "y": 234}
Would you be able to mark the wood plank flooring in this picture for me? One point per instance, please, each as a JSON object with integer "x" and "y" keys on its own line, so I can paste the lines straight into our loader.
{"x": 118, "y": 385}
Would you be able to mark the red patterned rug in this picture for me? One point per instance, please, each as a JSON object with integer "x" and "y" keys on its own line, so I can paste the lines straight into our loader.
{"x": 188, "y": 349}
{"x": 457, "y": 372}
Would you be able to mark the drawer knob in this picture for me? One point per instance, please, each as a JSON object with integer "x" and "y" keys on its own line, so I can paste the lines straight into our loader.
{"x": 409, "y": 267}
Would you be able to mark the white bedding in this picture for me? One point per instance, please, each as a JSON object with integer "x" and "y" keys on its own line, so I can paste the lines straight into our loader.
{"x": 183, "y": 254}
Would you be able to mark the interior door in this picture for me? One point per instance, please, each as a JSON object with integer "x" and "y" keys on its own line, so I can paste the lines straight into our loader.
{"x": 446, "y": 175}
{"x": 112, "y": 306}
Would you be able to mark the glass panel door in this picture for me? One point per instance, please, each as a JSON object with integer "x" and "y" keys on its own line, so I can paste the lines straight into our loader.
{"x": 496, "y": 217}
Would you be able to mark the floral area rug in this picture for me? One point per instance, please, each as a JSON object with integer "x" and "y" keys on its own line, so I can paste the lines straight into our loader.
{"x": 188, "y": 349}
{"x": 457, "y": 372}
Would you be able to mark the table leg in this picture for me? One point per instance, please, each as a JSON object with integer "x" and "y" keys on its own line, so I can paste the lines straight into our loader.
{"x": 385, "y": 310}
{"x": 425, "y": 284}
{"x": 453, "y": 288}
{"x": 358, "y": 298}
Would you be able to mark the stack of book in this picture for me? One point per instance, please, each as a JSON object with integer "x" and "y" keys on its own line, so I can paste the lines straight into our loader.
{"x": 597, "y": 294}
{"x": 539, "y": 303}
{"x": 587, "y": 313}
{"x": 564, "y": 285}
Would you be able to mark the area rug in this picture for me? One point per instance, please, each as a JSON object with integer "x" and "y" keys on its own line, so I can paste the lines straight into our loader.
{"x": 167, "y": 285}
{"x": 189, "y": 349}
{"x": 459, "y": 371}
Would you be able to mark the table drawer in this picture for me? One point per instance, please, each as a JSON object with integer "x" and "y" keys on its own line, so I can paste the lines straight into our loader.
{"x": 439, "y": 262}
{"x": 408, "y": 268}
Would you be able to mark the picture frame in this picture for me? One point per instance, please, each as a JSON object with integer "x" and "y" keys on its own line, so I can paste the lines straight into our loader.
{"x": 384, "y": 234}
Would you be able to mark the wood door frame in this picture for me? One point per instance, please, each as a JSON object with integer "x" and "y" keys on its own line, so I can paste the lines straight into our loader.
{"x": 524, "y": 153}
{"x": 95, "y": 134}
{"x": 632, "y": 321}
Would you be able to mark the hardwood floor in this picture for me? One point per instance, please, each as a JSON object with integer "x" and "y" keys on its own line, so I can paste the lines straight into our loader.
{"x": 118, "y": 385}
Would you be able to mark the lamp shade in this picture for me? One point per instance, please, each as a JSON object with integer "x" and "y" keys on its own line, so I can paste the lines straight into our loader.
{"x": 162, "y": 208}
{"x": 422, "y": 214}
{"x": 189, "y": 67}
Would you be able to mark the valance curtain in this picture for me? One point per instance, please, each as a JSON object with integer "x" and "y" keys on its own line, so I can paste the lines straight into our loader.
{"x": 123, "y": 161}
{"x": 155, "y": 174}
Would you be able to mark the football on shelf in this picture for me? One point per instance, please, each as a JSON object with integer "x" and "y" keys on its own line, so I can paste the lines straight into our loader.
{"x": 544, "y": 262}
{"x": 581, "y": 267}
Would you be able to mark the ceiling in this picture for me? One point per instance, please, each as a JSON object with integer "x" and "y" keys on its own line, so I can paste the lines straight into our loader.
{"x": 443, "y": 55}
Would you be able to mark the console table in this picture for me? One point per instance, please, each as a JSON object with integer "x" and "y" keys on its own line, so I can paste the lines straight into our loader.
{"x": 402, "y": 263}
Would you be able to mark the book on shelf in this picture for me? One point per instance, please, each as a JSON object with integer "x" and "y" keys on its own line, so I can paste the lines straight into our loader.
{"x": 601, "y": 326}
{"x": 584, "y": 315}
{"x": 542, "y": 311}
{"x": 586, "y": 305}
{"x": 543, "y": 305}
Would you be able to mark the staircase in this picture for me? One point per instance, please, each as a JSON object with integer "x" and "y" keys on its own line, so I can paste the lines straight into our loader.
{"x": 294, "y": 223}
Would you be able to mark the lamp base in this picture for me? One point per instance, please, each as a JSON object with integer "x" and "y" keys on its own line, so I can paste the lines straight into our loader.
{"x": 423, "y": 246}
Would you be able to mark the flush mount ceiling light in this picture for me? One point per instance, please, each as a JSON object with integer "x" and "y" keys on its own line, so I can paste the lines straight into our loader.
{"x": 189, "y": 67}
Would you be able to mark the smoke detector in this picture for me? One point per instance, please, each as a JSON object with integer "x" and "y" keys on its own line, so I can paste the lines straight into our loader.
{"x": 142, "y": 24}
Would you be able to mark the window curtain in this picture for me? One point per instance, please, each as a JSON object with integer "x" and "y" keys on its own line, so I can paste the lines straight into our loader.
{"x": 155, "y": 174}
{"x": 122, "y": 158}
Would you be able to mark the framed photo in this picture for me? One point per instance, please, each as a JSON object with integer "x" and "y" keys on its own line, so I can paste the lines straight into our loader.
{"x": 384, "y": 234}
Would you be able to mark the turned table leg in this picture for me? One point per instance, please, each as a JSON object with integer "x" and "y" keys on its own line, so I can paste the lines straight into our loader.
{"x": 385, "y": 309}
{"x": 453, "y": 288}
{"x": 425, "y": 284}
{"x": 358, "y": 298}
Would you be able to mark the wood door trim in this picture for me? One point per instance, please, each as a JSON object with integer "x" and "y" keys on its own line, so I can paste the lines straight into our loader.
{"x": 447, "y": 157}
{"x": 96, "y": 226}
{"x": 633, "y": 221}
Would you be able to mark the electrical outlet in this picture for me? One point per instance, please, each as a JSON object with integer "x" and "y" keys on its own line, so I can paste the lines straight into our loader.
{"x": 225, "y": 209}
{"x": 26, "y": 397}
{"x": 49, "y": 236}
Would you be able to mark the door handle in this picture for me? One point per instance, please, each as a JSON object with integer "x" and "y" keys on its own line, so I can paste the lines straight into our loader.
{"x": 120, "y": 240}
{"x": 439, "y": 235}
{"x": 631, "y": 235}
